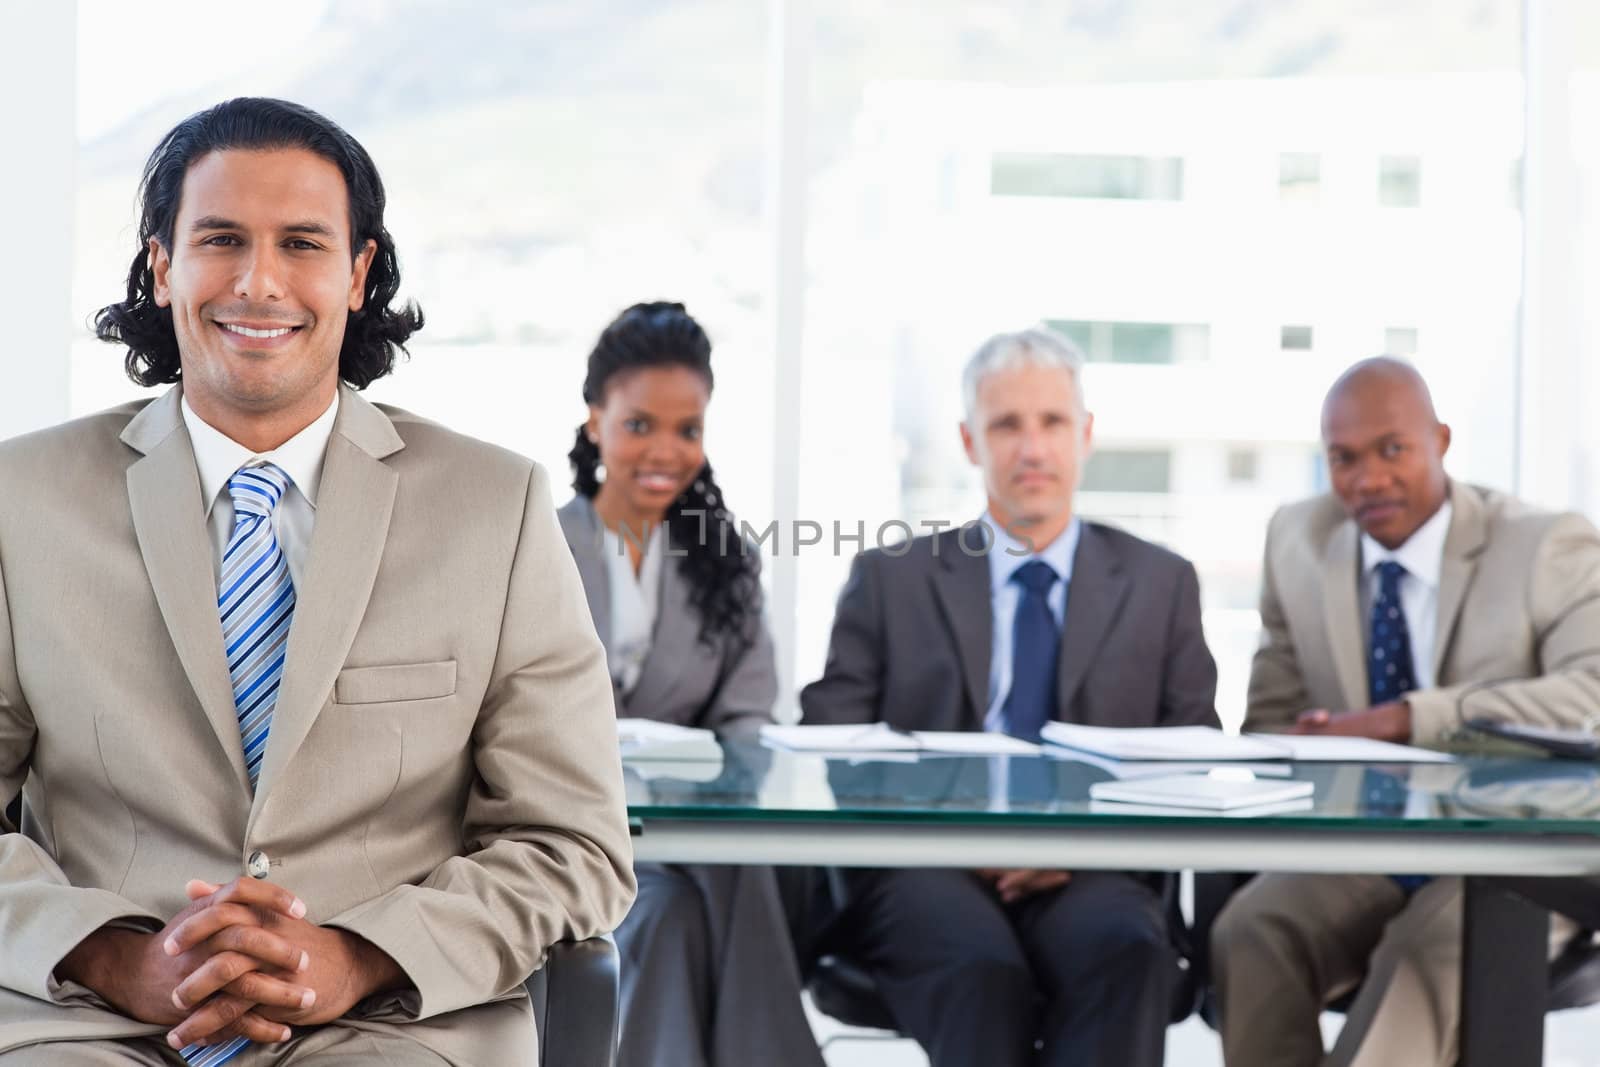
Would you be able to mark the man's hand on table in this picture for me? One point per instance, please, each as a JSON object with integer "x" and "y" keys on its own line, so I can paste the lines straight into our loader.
{"x": 1014, "y": 885}
{"x": 240, "y": 960}
{"x": 138, "y": 974}
{"x": 1382, "y": 722}
{"x": 341, "y": 970}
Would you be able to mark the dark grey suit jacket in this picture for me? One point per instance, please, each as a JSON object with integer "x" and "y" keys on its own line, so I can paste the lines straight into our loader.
{"x": 728, "y": 687}
{"x": 912, "y": 641}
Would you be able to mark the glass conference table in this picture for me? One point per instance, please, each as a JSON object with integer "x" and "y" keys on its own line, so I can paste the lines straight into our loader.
{"x": 1482, "y": 817}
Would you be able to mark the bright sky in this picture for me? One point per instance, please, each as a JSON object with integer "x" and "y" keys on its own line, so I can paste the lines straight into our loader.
{"x": 180, "y": 45}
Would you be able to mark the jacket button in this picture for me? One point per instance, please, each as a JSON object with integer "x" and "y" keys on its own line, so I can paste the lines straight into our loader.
{"x": 259, "y": 865}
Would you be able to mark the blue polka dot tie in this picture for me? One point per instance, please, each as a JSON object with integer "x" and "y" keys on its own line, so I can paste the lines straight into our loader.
{"x": 1035, "y": 650}
{"x": 1390, "y": 676}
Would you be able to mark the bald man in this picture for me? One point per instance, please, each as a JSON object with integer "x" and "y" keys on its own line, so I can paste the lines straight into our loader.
{"x": 1394, "y": 607}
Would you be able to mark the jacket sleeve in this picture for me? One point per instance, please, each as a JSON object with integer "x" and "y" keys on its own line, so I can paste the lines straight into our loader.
{"x": 851, "y": 686}
{"x": 43, "y": 916}
{"x": 1277, "y": 692}
{"x": 1563, "y": 604}
{"x": 546, "y": 850}
{"x": 1189, "y": 681}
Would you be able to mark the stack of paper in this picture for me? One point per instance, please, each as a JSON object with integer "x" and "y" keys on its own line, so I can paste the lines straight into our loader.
{"x": 851, "y": 737}
{"x": 647, "y": 739}
{"x": 1217, "y": 791}
{"x": 879, "y": 738}
{"x": 1206, "y": 744}
{"x": 1198, "y": 744}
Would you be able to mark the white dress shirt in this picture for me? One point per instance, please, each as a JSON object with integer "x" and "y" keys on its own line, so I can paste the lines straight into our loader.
{"x": 219, "y": 457}
{"x": 1006, "y": 554}
{"x": 1422, "y": 555}
{"x": 635, "y": 601}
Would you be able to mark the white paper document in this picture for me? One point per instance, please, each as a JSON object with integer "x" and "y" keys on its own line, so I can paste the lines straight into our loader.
{"x": 1218, "y": 791}
{"x": 1113, "y": 807}
{"x": 973, "y": 743}
{"x": 1206, "y": 744}
{"x": 1197, "y": 744}
{"x": 851, "y": 738}
{"x": 647, "y": 739}
{"x": 1329, "y": 748}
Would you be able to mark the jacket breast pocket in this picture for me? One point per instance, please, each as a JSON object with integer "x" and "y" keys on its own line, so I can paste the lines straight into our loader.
{"x": 395, "y": 683}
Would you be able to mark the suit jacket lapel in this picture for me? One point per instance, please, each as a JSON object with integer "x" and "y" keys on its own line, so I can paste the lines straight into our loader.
{"x": 1462, "y": 544}
{"x": 588, "y": 552}
{"x": 164, "y": 497}
{"x": 1341, "y": 573}
{"x": 354, "y": 503}
{"x": 961, "y": 587}
{"x": 1094, "y": 597}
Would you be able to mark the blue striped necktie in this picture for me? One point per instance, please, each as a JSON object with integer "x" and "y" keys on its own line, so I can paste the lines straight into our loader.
{"x": 255, "y": 600}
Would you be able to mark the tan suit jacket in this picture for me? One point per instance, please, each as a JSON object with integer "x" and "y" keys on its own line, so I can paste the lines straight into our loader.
{"x": 1518, "y": 633}
{"x": 441, "y": 776}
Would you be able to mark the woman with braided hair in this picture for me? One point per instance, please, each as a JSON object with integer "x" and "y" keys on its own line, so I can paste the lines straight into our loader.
{"x": 709, "y": 974}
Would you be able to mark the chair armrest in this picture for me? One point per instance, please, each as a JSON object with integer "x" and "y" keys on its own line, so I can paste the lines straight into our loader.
{"x": 577, "y": 990}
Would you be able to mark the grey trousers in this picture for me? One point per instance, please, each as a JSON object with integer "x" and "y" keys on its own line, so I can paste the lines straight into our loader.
{"x": 709, "y": 976}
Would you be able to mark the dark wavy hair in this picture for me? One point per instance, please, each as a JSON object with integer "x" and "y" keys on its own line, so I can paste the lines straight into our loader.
{"x": 722, "y": 573}
{"x": 371, "y": 335}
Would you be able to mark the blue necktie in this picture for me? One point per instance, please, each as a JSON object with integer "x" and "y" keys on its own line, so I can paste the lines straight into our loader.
{"x": 255, "y": 601}
{"x": 1035, "y": 650}
{"x": 1390, "y": 675}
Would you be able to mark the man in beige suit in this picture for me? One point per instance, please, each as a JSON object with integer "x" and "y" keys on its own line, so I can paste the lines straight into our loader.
{"x": 1397, "y": 607}
{"x": 313, "y": 730}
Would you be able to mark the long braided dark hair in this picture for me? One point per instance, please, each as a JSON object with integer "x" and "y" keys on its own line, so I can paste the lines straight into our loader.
{"x": 722, "y": 573}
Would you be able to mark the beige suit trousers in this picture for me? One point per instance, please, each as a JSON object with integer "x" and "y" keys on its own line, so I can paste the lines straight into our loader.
{"x": 1287, "y": 945}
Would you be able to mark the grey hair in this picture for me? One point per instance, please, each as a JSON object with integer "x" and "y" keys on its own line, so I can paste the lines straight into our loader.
{"x": 1039, "y": 346}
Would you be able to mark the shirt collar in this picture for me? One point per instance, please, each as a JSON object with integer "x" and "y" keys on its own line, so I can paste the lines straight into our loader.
{"x": 1422, "y": 554}
{"x": 218, "y": 456}
{"x": 1006, "y": 553}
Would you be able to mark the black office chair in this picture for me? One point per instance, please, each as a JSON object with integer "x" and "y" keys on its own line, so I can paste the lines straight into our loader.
{"x": 1574, "y": 973}
{"x": 577, "y": 987}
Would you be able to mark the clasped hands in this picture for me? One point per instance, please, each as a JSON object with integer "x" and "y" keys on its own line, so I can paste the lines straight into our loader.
{"x": 240, "y": 960}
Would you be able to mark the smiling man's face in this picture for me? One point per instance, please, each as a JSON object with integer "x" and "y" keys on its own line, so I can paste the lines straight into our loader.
{"x": 261, "y": 278}
{"x": 1385, "y": 450}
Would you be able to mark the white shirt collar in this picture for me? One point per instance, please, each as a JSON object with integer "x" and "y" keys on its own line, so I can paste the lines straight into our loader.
{"x": 1006, "y": 553}
{"x": 219, "y": 456}
{"x": 1422, "y": 554}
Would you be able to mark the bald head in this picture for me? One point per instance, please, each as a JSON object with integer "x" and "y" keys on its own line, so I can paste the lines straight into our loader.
{"x": 1382, "y": 380}
{"x": 1385, "y": 448}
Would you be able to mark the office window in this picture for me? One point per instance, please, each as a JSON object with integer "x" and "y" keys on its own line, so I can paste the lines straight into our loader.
{"x": 1243, "y": 466}
{"x": 1128, "y": 470}
{"x": 1295, "y": 338}
{"x": 1087, "y": 177}
{"x": 1400, "y": 181}
{"x": 543, "y": 173}
{"x": 1136, "y": 342}
{"x": 1299, "y": 177}
{"x": 1400, "y": 341}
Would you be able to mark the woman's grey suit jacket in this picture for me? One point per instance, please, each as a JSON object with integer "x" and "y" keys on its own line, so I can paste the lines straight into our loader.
{"x": 728, "y": 686}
